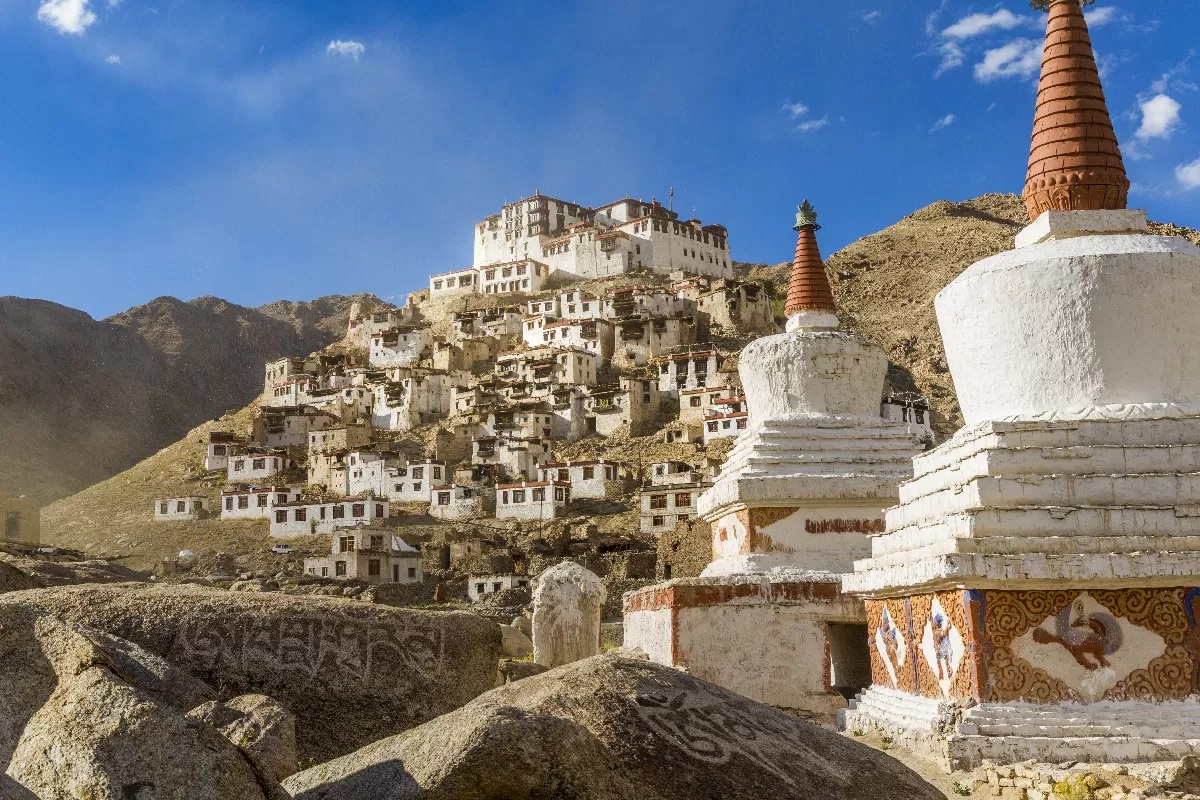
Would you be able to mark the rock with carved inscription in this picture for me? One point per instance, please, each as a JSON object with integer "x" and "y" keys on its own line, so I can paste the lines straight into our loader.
{"x": 609, "y": 728}
{"x": 351, "y": 672}
{"x": 83, "y": 714}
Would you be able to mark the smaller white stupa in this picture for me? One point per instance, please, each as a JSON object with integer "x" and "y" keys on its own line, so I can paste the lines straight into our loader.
{"x": 795, "y": 504}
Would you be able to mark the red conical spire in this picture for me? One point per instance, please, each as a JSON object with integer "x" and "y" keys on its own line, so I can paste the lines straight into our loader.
{"x": 1074, "y": 160}
{"x": 809, "y": 288}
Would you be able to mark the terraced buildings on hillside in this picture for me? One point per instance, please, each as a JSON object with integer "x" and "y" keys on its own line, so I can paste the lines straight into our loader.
{"x": 494, "y": 390}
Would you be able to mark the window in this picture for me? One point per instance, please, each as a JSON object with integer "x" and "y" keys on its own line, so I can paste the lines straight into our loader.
{"x": 518, "y": 496}
{"x": 379, "y": 510}
{"x": 373, "y": 567}
{"x": 281, "y": 516}
{"x": 539, "y": 495}
{"x": 258, "y": 463}
{"x": 496, "y": 586}
{"x": 301, "y": 515}
{"x": 920, "y": 417}
{"x": 658, "y": 522}
{"x": 725, "y": 424}
{"x": 219, "y": 450}
{"x": 262, "y": 501}
{"x": 741, "y": 423}
{"x": 339, "y": 512}
{"x": 376, "y": 542}
{"x": 504, "y": 497}
{"x": 479, "y": 588}
{"x": 437, "y": 285}
{"x": 181, "y": 506}
{"x": 589, "y": 473}
{"x": 358, "y": 510}
{"x": 443, "y": 498}
{"x": 239, "y": 465}
{"x": 244, "y": 501}
{"x": 683, "y": 500}
{"x": 162, "y": 508}
{"x": 418, "y": 473}
{"x": 324, "y": 572}
{"x": 437, "y": 473}
{"x": 695, "y": 402}
{"x": 564, "y": 475}
{"x": 229, "y": 504}
{"x": 281, "y": 498}
{"x": 412, "y": 572}
{"x": 658, "y": 501}
{"x": 560, "y": 494}
{"x": 339, "y": 569}
{"x": 345, "y": 544}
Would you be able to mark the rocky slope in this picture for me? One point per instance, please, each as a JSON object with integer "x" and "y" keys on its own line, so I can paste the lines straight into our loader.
{"x": 82, "y": 399}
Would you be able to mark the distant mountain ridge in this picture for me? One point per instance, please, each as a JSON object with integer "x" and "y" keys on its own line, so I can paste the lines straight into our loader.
{"x": 82, "y": 399}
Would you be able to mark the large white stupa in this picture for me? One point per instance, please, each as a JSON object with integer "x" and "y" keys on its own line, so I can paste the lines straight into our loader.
{"x": 1036, "y": 594}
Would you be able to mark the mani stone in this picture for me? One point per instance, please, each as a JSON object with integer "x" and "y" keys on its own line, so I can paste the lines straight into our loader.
{"x": 84, "y": 715}
{"x": 610, "y": 728}
{"x": 567, "y": 604}
{"x": 351, "y": 672}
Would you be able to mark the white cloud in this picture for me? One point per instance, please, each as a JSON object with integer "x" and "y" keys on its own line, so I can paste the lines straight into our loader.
{"x": 1101, "y": 16}
{"x": 979, "y": 24}
{"x": 952, "y": 58}
{"x": 67, "y": 16}
{"x": 797, "y": 110}
{"x": 349, "y": 48}
{"x": 1189, "y": 175}
{"x": 1160, "y": 117}
{"x": 113, "y": 59}
{"x": 1020, "y": 58}
{"x": 871, "y": 17}
{"x": 813, "y": 124}
{"x": 944, "y": 122}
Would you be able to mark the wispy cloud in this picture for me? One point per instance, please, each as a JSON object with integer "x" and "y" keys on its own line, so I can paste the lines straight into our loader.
{"x": 1020, "y": 58}
{"x": 67, "y": 16}
{"x": 871, "y": 17}
{"x": 113, "y": 59}
{"x": 1160, "y": 117}
{"x": 797, "y": 110}
{"x": 978, "y": 24}
{"x": 952, "y": 56}
{"x": 1189, "y": 175}
{"x": 1174, "y": 78}
{"x": 1101, "y": 16}
{"x": 944, "y": 122}
{"x": 349, "y": 48}
{"x": 813, "y": 124}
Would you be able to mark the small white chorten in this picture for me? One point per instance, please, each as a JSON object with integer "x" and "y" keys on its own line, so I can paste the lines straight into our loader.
{"x": 795, "y": 504}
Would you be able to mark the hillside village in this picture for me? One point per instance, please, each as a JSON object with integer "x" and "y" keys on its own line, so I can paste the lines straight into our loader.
{"x": 499, "y": 398}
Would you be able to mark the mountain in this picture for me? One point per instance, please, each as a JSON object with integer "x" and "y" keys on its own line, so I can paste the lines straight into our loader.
{"x": 82, "y": 399}
{"x": 885, "y": 284}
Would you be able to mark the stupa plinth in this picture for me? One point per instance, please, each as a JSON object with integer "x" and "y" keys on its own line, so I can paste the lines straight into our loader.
{"x": 1036, "y": 595}
{"x": 794, "y": 505}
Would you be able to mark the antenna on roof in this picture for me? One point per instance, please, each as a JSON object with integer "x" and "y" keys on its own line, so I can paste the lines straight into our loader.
{"x": 672, "y": 206}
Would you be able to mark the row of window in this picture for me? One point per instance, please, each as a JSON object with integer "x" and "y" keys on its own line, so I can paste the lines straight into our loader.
{"x": 682, "y": 500}
{"x": 357, "y": 511}
{"x": 713, "y": 427}
{"x": 537, "y": 495}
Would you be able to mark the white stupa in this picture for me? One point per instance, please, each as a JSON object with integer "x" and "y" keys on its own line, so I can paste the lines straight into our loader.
{"x": 794, "y": 506}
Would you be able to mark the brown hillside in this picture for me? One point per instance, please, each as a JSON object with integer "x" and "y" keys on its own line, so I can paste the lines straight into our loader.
{"x": 82, "y": 399}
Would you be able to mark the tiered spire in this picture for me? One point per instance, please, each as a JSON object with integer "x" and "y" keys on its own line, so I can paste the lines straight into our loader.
{"x": 1074, "y": 160}
{"x": 809, "y": 288}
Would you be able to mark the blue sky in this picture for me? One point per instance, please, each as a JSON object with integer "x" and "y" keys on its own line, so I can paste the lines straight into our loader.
{"x": 261, "y": 150}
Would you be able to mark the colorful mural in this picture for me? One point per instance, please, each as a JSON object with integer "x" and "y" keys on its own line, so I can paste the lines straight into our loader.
{"x": 1039, "y": 646}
